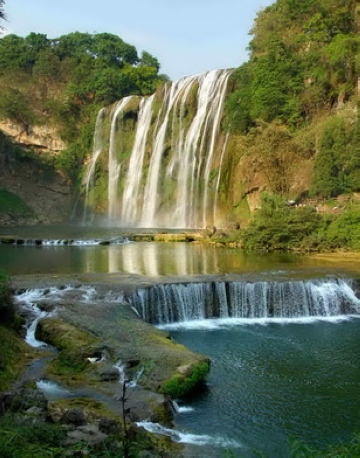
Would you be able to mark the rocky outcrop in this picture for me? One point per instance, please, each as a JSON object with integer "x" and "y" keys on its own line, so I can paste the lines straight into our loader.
{"x": 41, "y": 138}
{"x": 39, "y": 194}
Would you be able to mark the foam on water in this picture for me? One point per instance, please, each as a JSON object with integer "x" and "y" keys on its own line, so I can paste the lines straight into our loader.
{"x": 188, "y": 438}
{"x": 221, "y": 323}
{"x": 181, "y": 408}
{"x": 51, "y": 389}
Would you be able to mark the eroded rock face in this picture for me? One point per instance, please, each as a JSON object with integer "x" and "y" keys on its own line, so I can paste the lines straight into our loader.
{"x": 43, "y": 138}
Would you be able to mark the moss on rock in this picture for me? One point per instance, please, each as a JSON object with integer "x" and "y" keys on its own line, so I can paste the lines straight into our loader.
{"x": 186, "y": 380}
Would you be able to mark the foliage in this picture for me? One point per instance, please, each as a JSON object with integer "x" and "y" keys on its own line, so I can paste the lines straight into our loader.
{"x": 337, "y": 164}
{"x": 272, "y": 151}
{"x": 14, "y": 353}
{"x": 8, "y": 316}
{"x": 11, "y": 204}
{"x": 64, "y": 81}
{"x": 16, "y": 106}
{"x": 2, "y": 12}
{"x": 277, "y": 226}
{"x": 21, "y": 436}
{"x": 180, "y": 385}
{"x": 344, "y": 231}
{"x": 304, "y": 57}
{"x": 342, "y": 450}
{"x": 4, "y": 287}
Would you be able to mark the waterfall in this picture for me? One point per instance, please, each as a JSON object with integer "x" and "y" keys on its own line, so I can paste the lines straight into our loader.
{"x": 133, "y": 180}
{"x": 151, "y": 190}
{"x": 170, "y": 303}
{"x": 97, "y": 148}
{"x": 168, "y": 172}
{"x": 113, "y": 164}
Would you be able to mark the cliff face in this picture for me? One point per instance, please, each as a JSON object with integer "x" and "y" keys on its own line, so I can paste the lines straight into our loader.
{"x": 40, "y": 138}
{"x": 31, "y": 190}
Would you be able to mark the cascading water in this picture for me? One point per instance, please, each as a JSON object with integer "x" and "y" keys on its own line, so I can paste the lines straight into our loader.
{"x": 168, "y": 303}
{"x": 97, "y": 148}
{"x": 113, "y": 164}
{"x": 167, "y": 171}
{"x": 133, "y": 181}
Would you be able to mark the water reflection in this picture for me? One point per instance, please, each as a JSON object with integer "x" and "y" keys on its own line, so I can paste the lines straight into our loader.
{"x": 154, "y": 259}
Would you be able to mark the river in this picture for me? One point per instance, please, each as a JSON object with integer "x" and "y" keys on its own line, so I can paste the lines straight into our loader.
{"x": 270, "y": 381}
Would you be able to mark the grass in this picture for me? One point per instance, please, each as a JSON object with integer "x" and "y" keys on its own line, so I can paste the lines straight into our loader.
{"x": 13, "y": 205}
{"x": 14, "y": 356}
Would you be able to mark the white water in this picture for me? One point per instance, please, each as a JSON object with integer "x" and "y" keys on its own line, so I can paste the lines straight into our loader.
{"x": 52, "y": 390}
{"x": 186, "y": 438}
{"x": 130, "y": 206}
{"x": 97, "y": 149}
{"x": 171, "y": 177}
{"x": 113, "y": 165}
{"x": 180, "y": 408}
{"x": 165, "y": 304}
{"x": 227, "y": 323}
{"x": 151, "y": 189}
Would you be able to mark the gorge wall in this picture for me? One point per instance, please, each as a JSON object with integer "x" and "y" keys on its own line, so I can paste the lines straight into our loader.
{"x": 157, "y": 160}
{"x": 168, "y": 160}
{"x": 31, "y": 190}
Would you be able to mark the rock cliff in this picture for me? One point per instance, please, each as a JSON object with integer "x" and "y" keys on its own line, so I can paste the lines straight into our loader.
{"x": 32, "y": 191}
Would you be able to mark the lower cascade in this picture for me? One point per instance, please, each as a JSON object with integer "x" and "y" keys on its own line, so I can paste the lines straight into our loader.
{"x": 171, "y": 303}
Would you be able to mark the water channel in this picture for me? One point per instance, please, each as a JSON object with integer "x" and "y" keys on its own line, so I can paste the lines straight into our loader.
{"x": 271, "y": 380}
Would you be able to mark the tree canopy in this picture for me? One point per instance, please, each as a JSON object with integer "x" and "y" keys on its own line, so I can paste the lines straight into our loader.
{"x": 64, "y": 81}
{"x": 100, "y": 67}
{"x": 303, "y": 70}
{"x": 304, "y": 58}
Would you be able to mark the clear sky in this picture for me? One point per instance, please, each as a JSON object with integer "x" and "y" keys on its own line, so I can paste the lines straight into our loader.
{"x": 186, "y": 36}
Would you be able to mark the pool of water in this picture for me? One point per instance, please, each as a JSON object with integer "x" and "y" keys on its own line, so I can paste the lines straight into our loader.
{"x": 269, "y": 384}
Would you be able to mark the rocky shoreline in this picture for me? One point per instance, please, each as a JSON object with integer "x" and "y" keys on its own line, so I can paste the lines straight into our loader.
{"x": 97, "y": 347}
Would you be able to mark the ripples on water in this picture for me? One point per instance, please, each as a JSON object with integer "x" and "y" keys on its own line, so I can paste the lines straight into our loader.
{"x": 270, "y": 383}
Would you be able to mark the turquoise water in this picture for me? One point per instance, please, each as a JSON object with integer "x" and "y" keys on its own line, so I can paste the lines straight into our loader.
{"x": 268, "y": 383}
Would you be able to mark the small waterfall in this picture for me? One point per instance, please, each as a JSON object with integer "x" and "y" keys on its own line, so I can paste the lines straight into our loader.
{"x": 165, "y": 154}
{"x": 170, "y": 303}
{"x": 130, "y": 207}
{"x": 113, "y": 164}
{"x": 97, "y": 148}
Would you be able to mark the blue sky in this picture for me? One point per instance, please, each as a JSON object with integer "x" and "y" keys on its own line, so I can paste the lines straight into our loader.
{"x": 186, "y": 36}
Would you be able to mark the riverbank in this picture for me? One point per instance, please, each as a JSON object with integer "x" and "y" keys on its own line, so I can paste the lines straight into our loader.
{"x": 99, "y": 344}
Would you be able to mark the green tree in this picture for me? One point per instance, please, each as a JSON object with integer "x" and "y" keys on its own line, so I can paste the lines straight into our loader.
{"x": 2, "y": 11}
{"x": 272, "y": 152}
{"x": 337, "y": 164}
{"x": 16, "y": 106}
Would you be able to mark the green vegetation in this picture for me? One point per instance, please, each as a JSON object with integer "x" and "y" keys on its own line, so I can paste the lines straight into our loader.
{"x": 2, "y": 12}
{"x": 14, "y": 352}
{"x": 14, "y": 355}
{"x": 341, "y": 450}
{"x": 64, "y": 81}
{"x": 75, "y": 346}
{"x": 304, "y": 59}
{"x": 294, "y": 102}
{"x": 13, "y": 205}
{"x": 26, "y": 437}
{"x": 337, "y": 164}
{"x": 277, "y": 226}
{"x": 182, "y": 384}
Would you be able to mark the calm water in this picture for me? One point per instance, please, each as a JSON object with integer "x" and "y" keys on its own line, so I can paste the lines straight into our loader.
{"x": 271, "y": 383}
{"x": 267, "y": 383}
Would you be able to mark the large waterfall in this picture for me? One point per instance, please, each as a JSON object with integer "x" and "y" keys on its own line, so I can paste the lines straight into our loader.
{"x": 169, "y": 303}
{"x": 160, "y": 156}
